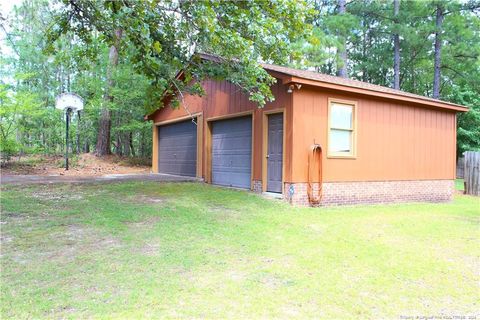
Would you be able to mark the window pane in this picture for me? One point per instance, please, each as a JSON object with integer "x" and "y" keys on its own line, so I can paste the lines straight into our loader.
{"x": 340, "y": 141}
{"x": 341, "y": 116}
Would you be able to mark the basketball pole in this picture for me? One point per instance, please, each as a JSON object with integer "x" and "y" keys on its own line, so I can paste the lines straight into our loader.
{"x": 68, "y": 103}
{"x": 67, "y": 122}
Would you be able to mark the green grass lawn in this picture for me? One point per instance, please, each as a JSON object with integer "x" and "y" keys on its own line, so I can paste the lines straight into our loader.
{"x": 459, "y": 185}
{"x": 132, "y": 250}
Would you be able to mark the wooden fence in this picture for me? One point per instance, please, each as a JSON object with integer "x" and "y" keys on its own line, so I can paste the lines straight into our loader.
{"x": 472, "y": 173}
{"x": 460, "y": 167}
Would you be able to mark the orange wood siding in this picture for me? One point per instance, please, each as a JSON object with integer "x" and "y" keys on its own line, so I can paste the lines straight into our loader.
{"x": 223, "y": 98}
{"x": 394, "y": 141}
{"x": 154, "y": 148}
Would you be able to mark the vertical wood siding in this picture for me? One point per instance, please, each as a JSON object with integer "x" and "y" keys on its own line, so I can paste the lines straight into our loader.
{"x": 394, "y": 141}
{"x": 223, "y": 98}
{"x": 155, "y": 148}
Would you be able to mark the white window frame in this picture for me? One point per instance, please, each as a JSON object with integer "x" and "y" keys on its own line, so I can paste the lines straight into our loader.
{"x": 353, "y": 152}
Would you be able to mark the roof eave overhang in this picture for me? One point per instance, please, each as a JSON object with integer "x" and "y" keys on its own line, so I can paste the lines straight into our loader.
{"x": 328, "y": 85}
{"x": 149, "y": 116}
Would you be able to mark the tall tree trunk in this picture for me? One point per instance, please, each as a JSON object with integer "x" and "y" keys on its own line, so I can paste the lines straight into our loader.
{"x": 118, "y": 144}
{"x": 132, "y": 149}
{"x": 44, "y": 140}
{"x": 103, "y": 138}
{"x": 438, "y": 51}
{"x": 68, "y": 82}
{"x": 78, "y": 132}
{"x": 142, "y": 143}
{"x": 105, "y": 123}
{"x": 118, "y": 137}
{"x": 396, "y": 47}
{"x": 342, "y": 54}
{"x": 412, "y": 72}
{"x": 364, "y": 51}
{"x": 126, "y": 144}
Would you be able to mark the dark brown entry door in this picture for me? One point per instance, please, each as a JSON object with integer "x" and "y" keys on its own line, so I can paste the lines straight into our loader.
{"x": 275, "y": 152}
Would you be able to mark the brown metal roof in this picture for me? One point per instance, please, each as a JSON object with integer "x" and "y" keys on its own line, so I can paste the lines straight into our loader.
{"x": 344, "y": 84}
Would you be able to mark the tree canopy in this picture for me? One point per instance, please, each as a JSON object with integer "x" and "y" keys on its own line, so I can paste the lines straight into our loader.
{"x": 164, "y": 35}
{"x": 123, "y": 56}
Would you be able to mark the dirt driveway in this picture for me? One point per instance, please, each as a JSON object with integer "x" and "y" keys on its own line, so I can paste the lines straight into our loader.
{"x": 34, "y": 179}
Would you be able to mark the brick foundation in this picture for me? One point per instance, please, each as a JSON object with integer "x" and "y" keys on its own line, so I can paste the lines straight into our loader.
{"x": 257, "y": 186}
{"x": 350, "y": 193}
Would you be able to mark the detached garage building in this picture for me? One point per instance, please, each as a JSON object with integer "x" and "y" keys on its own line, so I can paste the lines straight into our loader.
{"x": 324, "y": 140}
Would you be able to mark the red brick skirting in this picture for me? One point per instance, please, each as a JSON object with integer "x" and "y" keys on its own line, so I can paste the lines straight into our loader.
{"x": 257, "y": 186}
{"x": 349, "y": 193}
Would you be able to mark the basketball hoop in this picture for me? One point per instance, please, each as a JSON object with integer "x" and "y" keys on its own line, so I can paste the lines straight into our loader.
{"x": 68, "y": 102}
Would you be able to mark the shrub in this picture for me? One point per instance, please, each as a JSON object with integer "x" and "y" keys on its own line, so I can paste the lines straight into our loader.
{"x": 8, "y": 148}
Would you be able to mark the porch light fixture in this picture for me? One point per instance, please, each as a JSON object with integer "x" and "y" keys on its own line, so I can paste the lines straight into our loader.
{"x": 293, "y": 86}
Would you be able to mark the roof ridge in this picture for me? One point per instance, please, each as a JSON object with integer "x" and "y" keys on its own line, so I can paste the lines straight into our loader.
{"x": 318, "y": 76}
{"x": 346, "y": 82}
